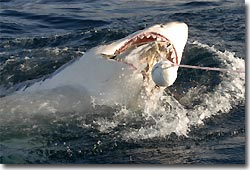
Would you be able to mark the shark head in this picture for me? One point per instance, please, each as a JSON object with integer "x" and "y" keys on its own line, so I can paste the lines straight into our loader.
{"x": 153, "y": 50}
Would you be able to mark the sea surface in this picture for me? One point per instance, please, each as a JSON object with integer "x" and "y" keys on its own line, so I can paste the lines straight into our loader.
{"x": 200, "y": 121}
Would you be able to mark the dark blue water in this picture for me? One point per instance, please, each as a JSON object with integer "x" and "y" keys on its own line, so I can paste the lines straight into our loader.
{"x": 37, "y": 37}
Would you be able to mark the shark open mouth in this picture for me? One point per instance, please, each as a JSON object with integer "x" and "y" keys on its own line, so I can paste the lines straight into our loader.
{"x": 163, "y": 44}
{"x": 155, "y": 52}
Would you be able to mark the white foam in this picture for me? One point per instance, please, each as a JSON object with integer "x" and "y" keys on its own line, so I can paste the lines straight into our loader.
{"x": 44, "y": 103}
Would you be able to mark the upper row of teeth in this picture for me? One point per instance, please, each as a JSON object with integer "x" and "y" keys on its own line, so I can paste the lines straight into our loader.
{"x": 141, "y": 36}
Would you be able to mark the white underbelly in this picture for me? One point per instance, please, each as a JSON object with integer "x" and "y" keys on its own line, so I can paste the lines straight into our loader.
{"x": 107, "y": 81}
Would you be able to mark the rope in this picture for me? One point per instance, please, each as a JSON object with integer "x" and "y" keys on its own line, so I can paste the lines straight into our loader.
{"x": 209, "y": 68}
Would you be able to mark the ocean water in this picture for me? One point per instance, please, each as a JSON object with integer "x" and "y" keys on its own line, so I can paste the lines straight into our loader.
{"x": 199, "y": 120}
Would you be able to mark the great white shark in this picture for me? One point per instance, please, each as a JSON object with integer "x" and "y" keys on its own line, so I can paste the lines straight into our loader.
{"x": 120, "y": 71}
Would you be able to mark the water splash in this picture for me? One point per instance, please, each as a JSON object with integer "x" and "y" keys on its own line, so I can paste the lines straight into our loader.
{"x": 162, "y": 114}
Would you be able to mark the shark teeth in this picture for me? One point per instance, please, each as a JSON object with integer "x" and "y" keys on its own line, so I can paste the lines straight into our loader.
{"x": 141, "y": 36}
{"x": 147, "y": 36}
{"x": 159, "y": 39}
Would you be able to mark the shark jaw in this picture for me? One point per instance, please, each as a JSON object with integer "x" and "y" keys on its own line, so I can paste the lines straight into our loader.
{"x": 159, "y": 45}
{"x": 148, "y": 37}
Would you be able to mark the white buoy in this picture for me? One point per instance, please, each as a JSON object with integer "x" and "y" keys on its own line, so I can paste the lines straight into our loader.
{"x": 164, "y": 73}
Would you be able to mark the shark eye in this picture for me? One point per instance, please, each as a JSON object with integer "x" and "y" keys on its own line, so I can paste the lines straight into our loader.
{"x": 161, "y": 25}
